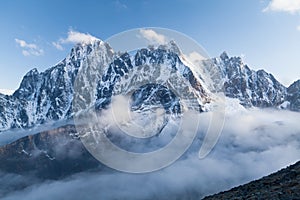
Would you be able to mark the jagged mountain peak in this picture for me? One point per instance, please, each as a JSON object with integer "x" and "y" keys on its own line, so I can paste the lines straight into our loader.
{"x": 224, "y": 56}
{"x": 32, "y": 72}
{"x": 171, "y": 46}
{"x": 159, "y": 64}
{"x": 252, "y": 88}
{"x": 294, "y": 96}
{"x": 295, "y": 84}
{"x": 232, "y": 59}
{"x": 89, "y": 41}
{"x": 28, "y": 84}
{"x": 87, "y": 46}
{"x": 81, "y": 50}
{"x": 47, "y": 96}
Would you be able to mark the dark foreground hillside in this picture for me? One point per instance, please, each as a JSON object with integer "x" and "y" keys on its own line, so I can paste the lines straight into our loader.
{"x": 284, "y": 184}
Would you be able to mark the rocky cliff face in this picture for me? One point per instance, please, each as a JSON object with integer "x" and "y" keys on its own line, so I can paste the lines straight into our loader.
{"x": 47, "y": 96}
{"x": 293, "y": 96}
{"x": 157, "y": 73}
{"x": 252, "y": 88}
{"x": 96, "y": 73}
{"x": 13, "y": 114}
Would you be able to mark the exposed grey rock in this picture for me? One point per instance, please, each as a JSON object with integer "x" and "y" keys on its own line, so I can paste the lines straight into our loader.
{"x": 252, "y": 88}
{"x": 47, "y": 96}
{"x": 294, "y": 96}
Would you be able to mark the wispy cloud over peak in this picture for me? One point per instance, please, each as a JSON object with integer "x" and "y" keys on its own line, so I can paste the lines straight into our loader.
{"x": 74, "y": 37}
{"x": 29, "y": 49}
{"x": 153, "y": 36}
{"x": 78, "y": 37}
{"x": 195, "y": 57}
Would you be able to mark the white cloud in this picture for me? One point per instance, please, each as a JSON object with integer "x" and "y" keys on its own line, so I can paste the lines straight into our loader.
{"x": 22, "y": 43}
{"x": 195, "y": 57}
{"x": 298, "y": 28}
{"x": 254, "y": 143}
{"x": 6, "y": 91}
{"x": 290, "y": 6}
{"x": 77, "y": 37}
{"x": 74, "y": 37}
{"x": 29, "y": 49}
{"x": 57, "y": 45}
{"x": 152, "y": 36}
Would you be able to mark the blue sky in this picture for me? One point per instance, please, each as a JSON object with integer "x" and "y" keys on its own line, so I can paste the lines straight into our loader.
{"x": 265, "y": 32}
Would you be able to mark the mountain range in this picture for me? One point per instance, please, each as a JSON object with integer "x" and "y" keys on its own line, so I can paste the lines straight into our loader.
{"x": 47, "y": 96}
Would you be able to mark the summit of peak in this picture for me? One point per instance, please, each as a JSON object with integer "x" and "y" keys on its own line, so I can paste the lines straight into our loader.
{"x": 224, "y": 56}
{"x": 171, "y": 46}
{"x": 82, "y": 49}
{"x": 32, "y": 72}
{"x": 92, "y": 43}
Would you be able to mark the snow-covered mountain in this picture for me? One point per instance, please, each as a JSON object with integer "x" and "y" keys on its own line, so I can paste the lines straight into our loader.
{"x": 252, "y": 88}
{"x": 48, "y": 96}
{"x": 293, "y": 96}
{"x": 164, "y": 73}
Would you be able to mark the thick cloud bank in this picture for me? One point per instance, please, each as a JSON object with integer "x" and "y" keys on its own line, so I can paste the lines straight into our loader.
{"x": 253, "y": 143}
